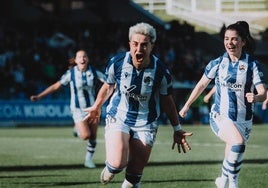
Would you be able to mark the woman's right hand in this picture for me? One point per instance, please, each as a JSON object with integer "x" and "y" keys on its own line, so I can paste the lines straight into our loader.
{"x": 183, "y": 111}
{"x": 34, "y": 98}
{"x": 93, "y": 114}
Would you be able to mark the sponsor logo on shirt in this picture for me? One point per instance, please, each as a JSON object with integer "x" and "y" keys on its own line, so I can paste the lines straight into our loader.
{"x": 128, "y": 92}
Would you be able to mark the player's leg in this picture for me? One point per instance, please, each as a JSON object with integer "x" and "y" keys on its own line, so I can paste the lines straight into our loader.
{"x": 80, "y": 125}
{"x": 138, "y": 157}
{"x": 117, "y": 148}
{"x": 86, "y": 131}
{"x": 91, "y": 146}
{"x": 235, "y": 147}
{"x": 141, "y": 143}
{"x": 75, "y": 132}
{"x": 85, "y": 134}
{"x": 222, "y": 181}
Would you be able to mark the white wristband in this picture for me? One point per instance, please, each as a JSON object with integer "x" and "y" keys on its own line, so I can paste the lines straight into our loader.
{"x": 177, "y": 127}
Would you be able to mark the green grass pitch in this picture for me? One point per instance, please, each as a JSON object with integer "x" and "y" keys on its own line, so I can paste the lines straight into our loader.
{"x": 51, "y": 157}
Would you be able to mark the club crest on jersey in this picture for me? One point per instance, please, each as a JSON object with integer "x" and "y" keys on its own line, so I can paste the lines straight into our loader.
{"x": 126, "y": 74}
{"x": 147, "y": 80}
{"x": 242, "y": 67}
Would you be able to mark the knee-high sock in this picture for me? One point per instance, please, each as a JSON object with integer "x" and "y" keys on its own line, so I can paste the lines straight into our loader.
{"x": 132, "y": 179}
{"x": 91, "y": 145}
{"x": 112, "y": 169}
{"x": 224, "y": 173}
{"x": 235, "y": 160}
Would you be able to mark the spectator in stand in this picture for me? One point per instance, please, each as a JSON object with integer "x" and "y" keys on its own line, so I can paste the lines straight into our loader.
{"x": 82, "y": 78}
{"x": 236, "y": 73}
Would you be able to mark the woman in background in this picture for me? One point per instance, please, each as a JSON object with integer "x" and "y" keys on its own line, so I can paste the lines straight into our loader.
{"x": 82, "y": 79}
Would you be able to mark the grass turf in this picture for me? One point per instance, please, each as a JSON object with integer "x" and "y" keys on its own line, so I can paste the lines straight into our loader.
{"x": 52, "y": 157}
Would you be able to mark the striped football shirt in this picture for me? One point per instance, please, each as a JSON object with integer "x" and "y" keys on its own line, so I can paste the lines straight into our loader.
{"x": 135, "y": 101}
{"x": 233, "y": 80}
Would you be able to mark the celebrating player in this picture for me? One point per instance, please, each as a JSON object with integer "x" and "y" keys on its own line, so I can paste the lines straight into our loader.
{"x": 236, "y": 73}
{"x": 143, "y": 83}
{"x": 81, "y": 77}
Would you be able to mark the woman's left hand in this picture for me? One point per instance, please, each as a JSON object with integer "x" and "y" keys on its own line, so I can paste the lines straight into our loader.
{"x": 179, "y": 138}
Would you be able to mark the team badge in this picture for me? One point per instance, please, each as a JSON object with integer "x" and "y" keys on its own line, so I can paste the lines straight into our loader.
{"x": 126, "y": 74}
{"x": 147, "y": 80}
{"x": 242, "y": 67}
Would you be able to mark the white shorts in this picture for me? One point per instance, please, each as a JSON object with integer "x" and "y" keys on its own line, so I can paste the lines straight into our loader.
{"x": 146, "y": 133}
{"x": 78, "y": 115}
{"x": 243, "y": 127}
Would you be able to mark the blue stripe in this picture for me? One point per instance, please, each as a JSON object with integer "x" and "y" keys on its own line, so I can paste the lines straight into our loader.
{"x": 232, "y": 113}
{"x": 113, "y": 170}
{"x": 86, "y": 95}
{"x": 249, "y": 112}
{"x": 238, "y": 148}
{"x": 134, "y": 104}
{"x": 85, "y": 92}
{"x": 233, "y": 171}
{"x": 234, "y": 165}
{"x": 75, "y": 89}
{"x": 152, "y": 103}
{"x": 117, "y": 66}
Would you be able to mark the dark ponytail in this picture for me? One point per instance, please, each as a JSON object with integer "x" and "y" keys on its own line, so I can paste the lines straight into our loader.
{"x": 250, "y": 46}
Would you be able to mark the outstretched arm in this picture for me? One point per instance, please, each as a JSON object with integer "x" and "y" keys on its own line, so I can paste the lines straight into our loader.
{"x": 54, "y": 87}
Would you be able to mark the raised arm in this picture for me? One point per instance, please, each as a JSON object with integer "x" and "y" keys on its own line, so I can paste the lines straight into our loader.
{"x": 51, "y": 89}
{"x": 259, "y": 97}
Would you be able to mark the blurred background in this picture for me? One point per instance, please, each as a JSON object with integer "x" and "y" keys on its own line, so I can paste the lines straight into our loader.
{"x": 38, "y": 37}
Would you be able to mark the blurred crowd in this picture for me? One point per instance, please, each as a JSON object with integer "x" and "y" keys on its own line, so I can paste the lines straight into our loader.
{"x": 34, "y": 55}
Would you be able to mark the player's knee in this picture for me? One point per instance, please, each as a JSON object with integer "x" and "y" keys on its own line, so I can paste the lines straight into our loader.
{"x": 84, "y": 136}
{"x": 238, "y": 140}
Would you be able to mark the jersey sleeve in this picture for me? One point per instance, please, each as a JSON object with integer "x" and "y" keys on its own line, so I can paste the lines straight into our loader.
{"x": 100, "y": 75}
{"x": 65, "y": 78}
{"x": 110, "y": 74}
{"x": 212, "y": 68}
{"x": 166, "y": 83}
{"x": 258, "y": 76}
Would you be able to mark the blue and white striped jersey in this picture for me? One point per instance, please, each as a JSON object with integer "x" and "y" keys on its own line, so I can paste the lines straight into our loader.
{"x": 81, "y": 86}
{"x": 233, "y": 80}
{"x": 135, "y": 101}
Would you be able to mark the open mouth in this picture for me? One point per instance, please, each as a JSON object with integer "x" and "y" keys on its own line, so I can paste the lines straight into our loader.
{"x": 231, "y": 48}
{"x": 139, "y": 57}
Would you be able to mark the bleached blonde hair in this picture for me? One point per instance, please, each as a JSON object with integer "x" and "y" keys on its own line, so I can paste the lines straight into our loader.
{"x": 144, "y": 29}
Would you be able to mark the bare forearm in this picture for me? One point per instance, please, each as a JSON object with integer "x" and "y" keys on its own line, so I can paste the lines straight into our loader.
{"x": 103, "y": 95}
{"x": 170, "y": 109}
{"x": 195, "y": 94}
{"x": 49, "y": 90}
